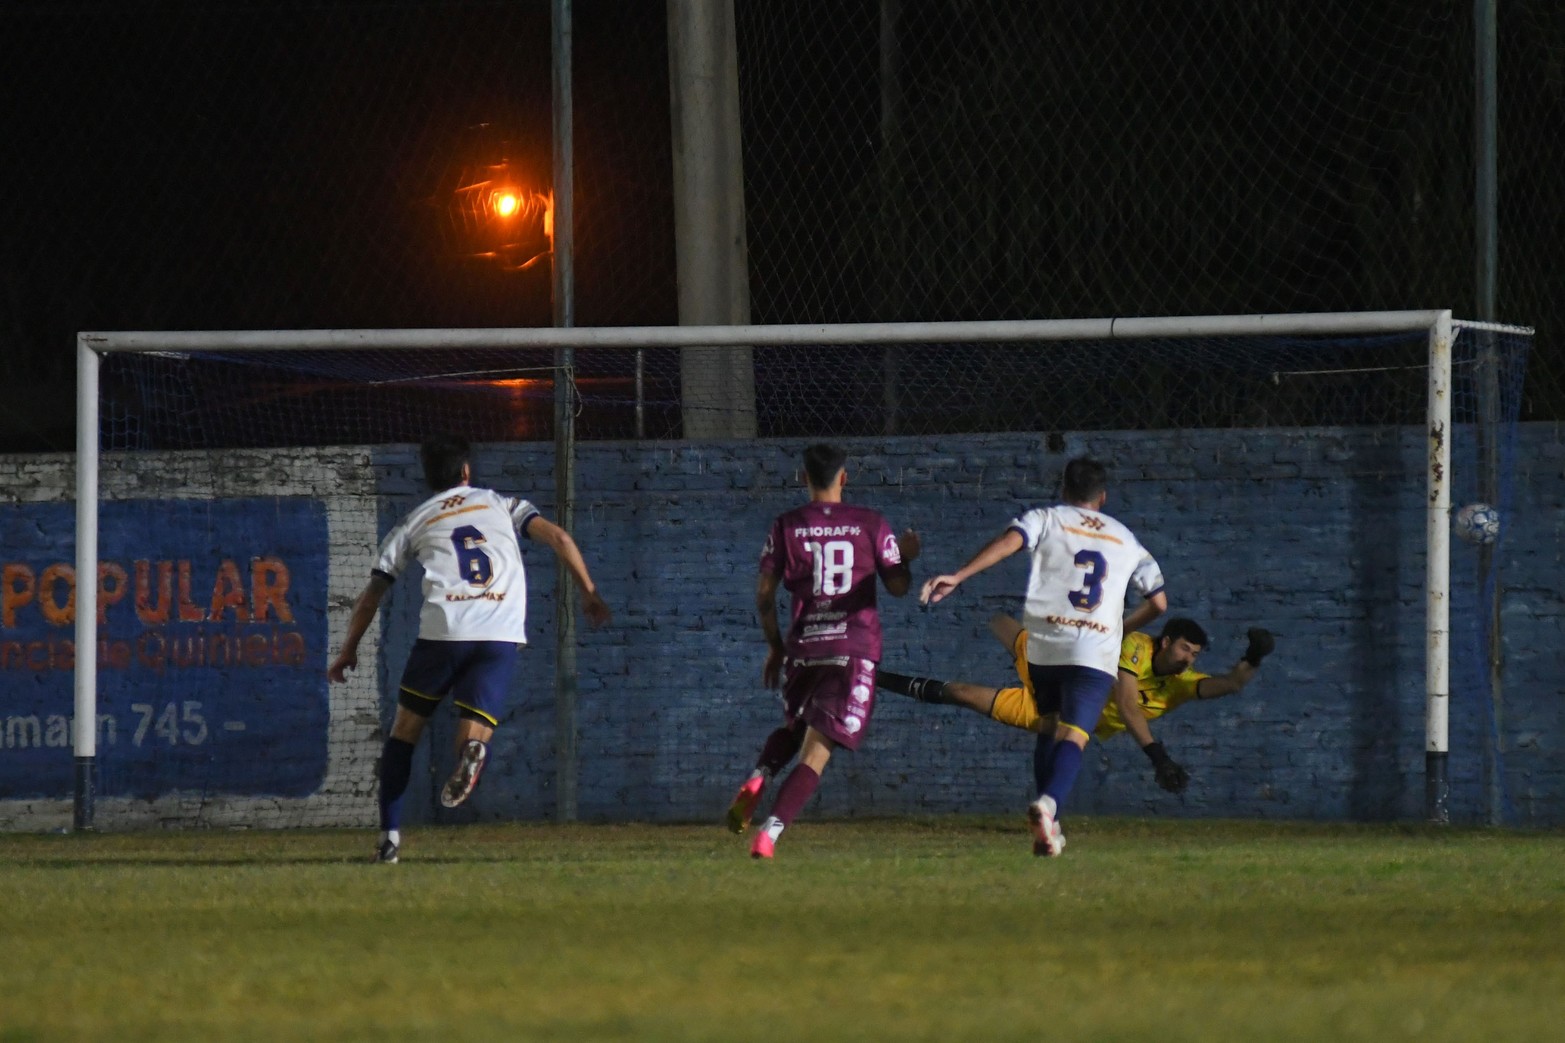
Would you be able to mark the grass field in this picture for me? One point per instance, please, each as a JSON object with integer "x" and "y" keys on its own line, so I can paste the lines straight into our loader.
{"x": 939, "y": 929}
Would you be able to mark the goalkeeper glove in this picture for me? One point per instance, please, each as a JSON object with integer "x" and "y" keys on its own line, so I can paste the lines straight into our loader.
{"x": 1261, "y": 645}
{"x": 1169, "y": 774}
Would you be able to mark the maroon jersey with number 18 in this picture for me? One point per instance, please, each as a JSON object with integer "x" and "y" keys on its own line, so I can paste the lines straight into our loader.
{"x": 827, "y": 555}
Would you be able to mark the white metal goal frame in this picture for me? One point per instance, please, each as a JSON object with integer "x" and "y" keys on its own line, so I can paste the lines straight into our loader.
{"x": 1437, "y": 324}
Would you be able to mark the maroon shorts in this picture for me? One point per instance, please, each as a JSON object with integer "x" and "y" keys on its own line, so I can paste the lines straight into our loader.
{"x": 833, "y": 696}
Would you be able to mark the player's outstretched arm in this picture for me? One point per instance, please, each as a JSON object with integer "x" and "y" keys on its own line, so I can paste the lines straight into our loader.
{"x": 1144, "y": 613}
{"x": 363, "y": 615}
{"x": 1165, "y": 769}
{"x": 766, "y": 585}
{"x": 1127, "y": 698}
{"x": 559, "y": 541}
{"x": 996, "y": 550}
{"x": 1261, "y": 645}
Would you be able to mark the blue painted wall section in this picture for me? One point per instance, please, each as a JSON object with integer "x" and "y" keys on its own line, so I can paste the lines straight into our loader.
{"x": 212, "y": 623}
{"x": 1317, "y": 535}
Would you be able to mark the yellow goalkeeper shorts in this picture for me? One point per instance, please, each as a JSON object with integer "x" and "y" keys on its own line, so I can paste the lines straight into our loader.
{"x": 1016, "y": 706}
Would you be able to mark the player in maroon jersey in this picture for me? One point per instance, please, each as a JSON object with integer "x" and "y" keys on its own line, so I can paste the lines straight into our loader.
{"x": 827, "y": 554}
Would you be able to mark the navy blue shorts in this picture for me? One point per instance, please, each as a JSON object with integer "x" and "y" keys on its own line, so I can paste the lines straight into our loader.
{"x": 475, "y": 674}
{"x": 1077, "y": 693}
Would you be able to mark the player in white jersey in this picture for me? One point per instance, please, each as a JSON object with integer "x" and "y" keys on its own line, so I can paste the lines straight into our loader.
{"x": 1083, "y": 563}
{"x": 473, "y": 620}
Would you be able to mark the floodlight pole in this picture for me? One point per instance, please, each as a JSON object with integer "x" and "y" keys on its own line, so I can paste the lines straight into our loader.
{"x": 563, "y": 290}
{"x": 1486, "y": 214}
{"x": 85, "y": 721}
{"x": 716, "y": 384}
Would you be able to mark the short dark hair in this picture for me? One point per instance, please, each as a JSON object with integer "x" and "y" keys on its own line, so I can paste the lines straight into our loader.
{"x": 443, "y": 457}
{"x": 1084, "y": 479}
{"x": 821, "y": 464}
{"x": 1179, "y": 627}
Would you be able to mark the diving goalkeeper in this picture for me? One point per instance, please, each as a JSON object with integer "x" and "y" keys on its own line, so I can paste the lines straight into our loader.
{"x": 1155, "y": 676}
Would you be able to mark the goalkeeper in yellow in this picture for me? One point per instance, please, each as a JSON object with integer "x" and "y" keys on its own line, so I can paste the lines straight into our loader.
{"x": 1155, "y": 676}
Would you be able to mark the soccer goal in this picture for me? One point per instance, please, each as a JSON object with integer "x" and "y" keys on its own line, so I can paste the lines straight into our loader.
{"x": 231, "y": 488}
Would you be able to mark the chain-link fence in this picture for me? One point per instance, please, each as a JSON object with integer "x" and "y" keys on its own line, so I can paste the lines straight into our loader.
{"x": 334, "y": 164}
{"x": 962, "y": 159}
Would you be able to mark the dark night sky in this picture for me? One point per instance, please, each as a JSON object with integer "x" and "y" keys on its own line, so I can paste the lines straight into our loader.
{"x": 280, "y": 165}
{"x": 294, "y": 164}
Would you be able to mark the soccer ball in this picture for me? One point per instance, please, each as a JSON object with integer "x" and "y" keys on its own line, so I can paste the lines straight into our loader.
{"x": 1478, "y": 523}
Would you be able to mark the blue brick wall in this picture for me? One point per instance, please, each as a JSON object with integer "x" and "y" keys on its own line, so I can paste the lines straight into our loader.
{"x": 1317, "y": 535}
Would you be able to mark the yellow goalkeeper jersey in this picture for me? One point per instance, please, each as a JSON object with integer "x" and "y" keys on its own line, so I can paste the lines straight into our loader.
{"x": 1159, "y": 693}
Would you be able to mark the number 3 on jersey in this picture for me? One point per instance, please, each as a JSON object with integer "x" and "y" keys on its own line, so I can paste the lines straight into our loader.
{"x": 472, "y": 562}
{"x": 833, "y": 566}
{"x": 1094, "y": 571}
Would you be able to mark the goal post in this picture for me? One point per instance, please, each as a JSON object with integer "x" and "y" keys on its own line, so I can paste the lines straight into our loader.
{"x": 1437, "y": 583}
{"x": 84, "y": 738}
{"x": 1436, "y": 326}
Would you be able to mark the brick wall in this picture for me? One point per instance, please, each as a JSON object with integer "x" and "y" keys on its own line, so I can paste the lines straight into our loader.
{"x": 1315, "y": 534}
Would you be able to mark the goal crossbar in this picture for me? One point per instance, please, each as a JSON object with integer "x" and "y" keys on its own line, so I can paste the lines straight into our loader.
{"x": 986, "y": 332}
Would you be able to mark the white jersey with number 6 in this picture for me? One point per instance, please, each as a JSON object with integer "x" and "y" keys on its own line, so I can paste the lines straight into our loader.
{"x": 1083, "y": 561}
{"x": 475, "y": 587}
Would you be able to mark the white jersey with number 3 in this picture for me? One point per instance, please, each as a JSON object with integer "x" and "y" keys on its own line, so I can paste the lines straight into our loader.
{"x": 1083, "y": 562}
{"x": 475, "y": 587}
